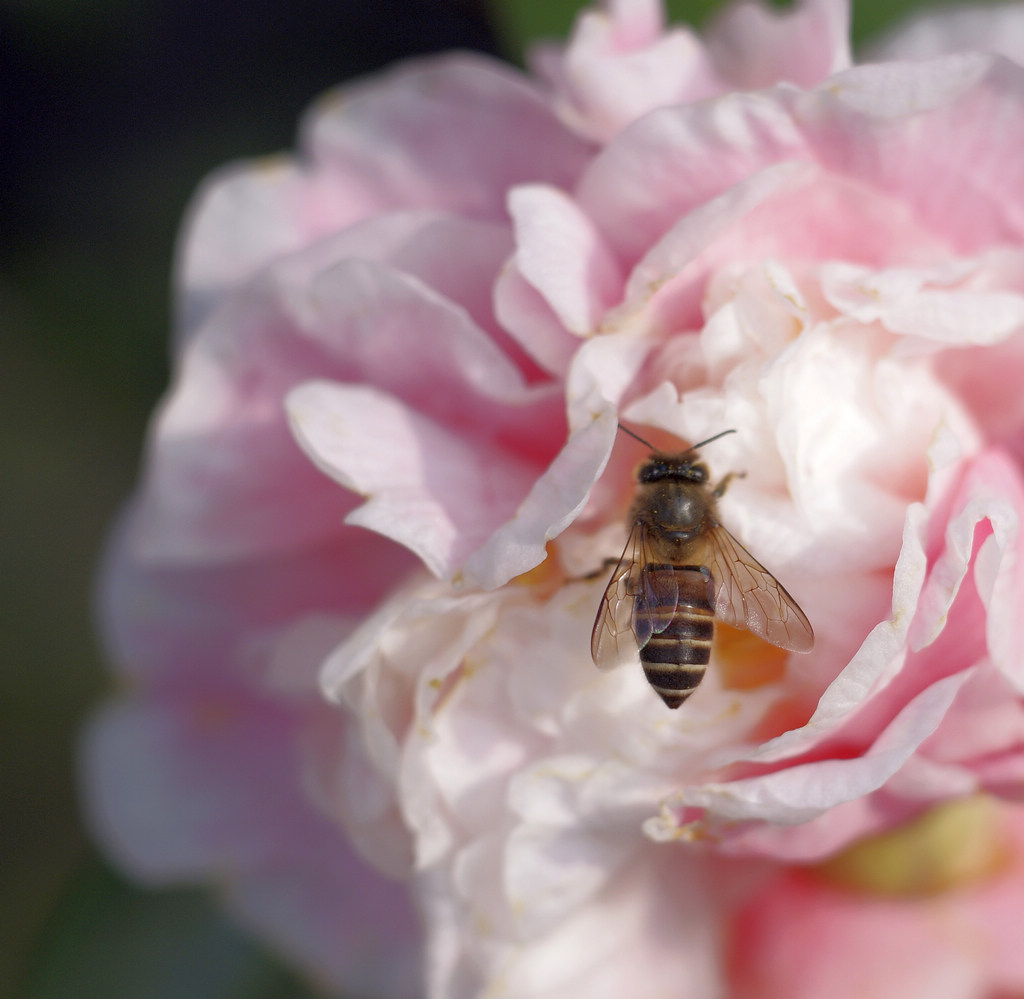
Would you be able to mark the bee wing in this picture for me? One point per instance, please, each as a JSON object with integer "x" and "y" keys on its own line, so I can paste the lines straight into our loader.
{"x": 656, "y": 600}
{"x": 748, "y": 596}
{"x": 615, "y": 640}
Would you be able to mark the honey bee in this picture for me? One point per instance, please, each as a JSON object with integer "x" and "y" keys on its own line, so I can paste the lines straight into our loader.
{"x": 679, "y": 571}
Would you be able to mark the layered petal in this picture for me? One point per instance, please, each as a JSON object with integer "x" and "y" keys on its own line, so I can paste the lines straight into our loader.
{"x": 622, "y": 62}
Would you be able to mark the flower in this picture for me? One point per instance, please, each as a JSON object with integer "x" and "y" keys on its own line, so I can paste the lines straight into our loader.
{"x": 429, "y": 327}
{"x": 944, "y": 937}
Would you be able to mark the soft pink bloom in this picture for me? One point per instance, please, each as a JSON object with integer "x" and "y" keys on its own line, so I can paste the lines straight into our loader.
{"x": 428, "y": 327}
{"x": 802, "y": 935}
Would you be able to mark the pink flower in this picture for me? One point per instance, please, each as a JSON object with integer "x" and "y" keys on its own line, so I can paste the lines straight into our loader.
{"x": 428, "y": 327}
{"x": 939, "y": 919}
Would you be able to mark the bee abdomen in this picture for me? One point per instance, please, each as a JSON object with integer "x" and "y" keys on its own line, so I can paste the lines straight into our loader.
{"x": 676, "y": 656}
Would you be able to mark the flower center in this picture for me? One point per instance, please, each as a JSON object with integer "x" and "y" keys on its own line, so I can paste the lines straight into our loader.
{"x": 744, "y": 661}
{"x": 952, "y": 845}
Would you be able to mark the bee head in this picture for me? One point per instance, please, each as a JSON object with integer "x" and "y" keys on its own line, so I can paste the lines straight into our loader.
{"x": 673, "y": 467}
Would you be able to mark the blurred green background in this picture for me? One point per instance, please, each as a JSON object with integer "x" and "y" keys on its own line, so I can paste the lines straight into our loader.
{"x": 111, "y": 111}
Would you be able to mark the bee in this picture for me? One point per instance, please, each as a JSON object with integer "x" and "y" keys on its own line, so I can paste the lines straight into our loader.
{"x": 679, "y": 571}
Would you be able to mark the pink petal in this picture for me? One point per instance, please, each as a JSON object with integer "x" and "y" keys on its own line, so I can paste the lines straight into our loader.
{"x": 821, "y": 837}
{"x": 657, "y": 171}
{"x": 678, "y": 158}
{"x": 984, "y": 733}
{"x": 995, "y": 403}
{"x": 457, "y": 504}
{"x": 756, "y": 45}
{"x": 456, "y": 257}
{"x": 380, "y": 137}
{"x": 699, "y": 233}
{"x": 918, "y": 302}
{"x": 239, "y": 221}
{"x": 785, "y": 211}
{"x": 224, "y": 479}
{"x": 602, "y": 370}
{"x": 562, "y": 256}
{"x": 432, "y": 491}
{"x": 202, "y": 785}
{"x": 180, "y": 620}
{"x": 801, "y": 792}
{"x": 803, "y": 940}
{"x": 883, "y": 124}
{"x": 224, "y": 442}
{"x": 601, "y": 952}
{"x": 189, "y": 783}
{"x": 928, "y": 33}
{"x": 955, "y": 943}
{"x": 574, "y": 833}
{"x": 389, "y": 329}
{"x": 991, "y": 498}
{"x": 553, "y": 503}
{"x": 635, "y": 23}
{"x": 620, "y": 64}
{"x": 532, "y": 323}
{"x": 372, "y": 148}
{"x": 338, "y": 919}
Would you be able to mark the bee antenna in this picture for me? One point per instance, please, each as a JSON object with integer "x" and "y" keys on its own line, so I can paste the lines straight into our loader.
{"x": 697, "y": 447}
{"x": 626, "y": 430}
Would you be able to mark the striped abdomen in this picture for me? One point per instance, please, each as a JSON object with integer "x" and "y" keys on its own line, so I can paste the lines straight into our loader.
{"x": 676, "y": 655}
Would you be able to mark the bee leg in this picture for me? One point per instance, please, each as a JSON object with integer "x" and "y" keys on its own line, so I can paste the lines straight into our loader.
{"x": 724, "y": 484}
{"x": 594, "y": 573}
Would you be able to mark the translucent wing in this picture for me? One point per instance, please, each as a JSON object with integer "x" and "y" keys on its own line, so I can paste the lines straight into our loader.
{"x": 656, "y": 600}
{"x": 748, "y": 596}
{"x": 614, "y": 640}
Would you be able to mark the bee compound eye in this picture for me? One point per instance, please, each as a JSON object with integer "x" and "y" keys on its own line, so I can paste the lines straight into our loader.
{"x": 652, "y": 471}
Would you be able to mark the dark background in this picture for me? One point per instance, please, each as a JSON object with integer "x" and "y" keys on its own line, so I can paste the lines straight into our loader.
{"x": 111, "y": 111}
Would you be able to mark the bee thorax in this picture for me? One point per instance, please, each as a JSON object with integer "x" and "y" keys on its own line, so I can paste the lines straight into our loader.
{"x": 675, "y": 511}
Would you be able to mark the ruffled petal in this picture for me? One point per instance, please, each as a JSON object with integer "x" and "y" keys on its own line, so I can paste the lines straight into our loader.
{"x": 757, "y": 45}
{"x": 926, "y": 34}
{"x": 427, "y": 489}
{"x": 561, "y": 255}
{"x": 380, "y": 138}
